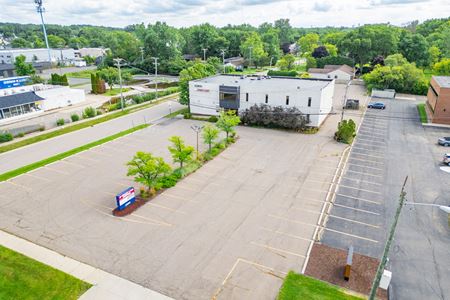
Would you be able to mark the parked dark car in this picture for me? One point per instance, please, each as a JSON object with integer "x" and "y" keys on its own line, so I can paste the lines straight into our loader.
{"x": 379, "y": 105}
{"x": 446, "y": 159}
{"x": 444, "y": 141}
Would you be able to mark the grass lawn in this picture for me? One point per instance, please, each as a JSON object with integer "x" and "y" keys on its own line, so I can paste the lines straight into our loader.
{"x": 299, "y": 287}
{"x": 49, "y": 160}
{"x": 176, "y": 113}
{"x": 81, "y": 74}
{"x": 422, "y": 113}
{"x": 24, "y": 278}
{"x": 115, "y": 92}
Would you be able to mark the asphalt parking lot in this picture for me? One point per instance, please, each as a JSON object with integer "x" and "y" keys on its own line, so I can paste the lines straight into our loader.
{"x": 391, "y": 145}
{"x": 231, "y": 230}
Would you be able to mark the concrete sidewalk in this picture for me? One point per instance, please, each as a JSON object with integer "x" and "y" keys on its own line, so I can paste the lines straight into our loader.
{"x": 105, "y": 285}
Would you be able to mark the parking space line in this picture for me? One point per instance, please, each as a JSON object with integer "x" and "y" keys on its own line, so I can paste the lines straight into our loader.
{"x": 311, "y": 200}
{"x": 277, "y": 249}
{"x": 370, "y": 140}
{"x": 363, "y": 173}
{"x": 305, "y": 210}
{"x": 178, "y": 197}
{"x": 289, "y": 220}
{"x": 319, "y": 181}
{"x": 151, "y": 220}
{"x": 286, "y": 234}
{"x": 86, "y": 158}
{"x": 366, "y": 144}
{"x": 357, "y": 198}
{"x": 72, "y": 163}
{"x": 57, "y": 171}
{"x": 357, "y": 209}
{"x": 188, "y": 189}
{"x": 352, "y": 235}
{"x": 19, "y": 185}
{"x": 314, "y": 190}
{"x": 369, "y": 155}
{"x": 362, "y": 166}
{"x": 353, "y": 221}
{"x": 167, "y": 208}
{"x": 355, "y": 188}
{"x": 371, "y": 134}
{"x": 100, "y": 152}
{"x": 362, "y": 181}
{"x": 37, "y": 177}
{"x": 366, "y": 160}
{"x": 366, "y": 149}
{"x": 321, "y": 173}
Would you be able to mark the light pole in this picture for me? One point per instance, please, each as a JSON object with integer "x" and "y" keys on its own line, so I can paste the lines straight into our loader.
{"x": 204, "y": 54}
{"x": 197, "y": 130}
{"x": 118, "y": 61}
{"x": 250, "y": 59}
{"x": 345, "y": 99}
{"x": 40, "y": 9}
{"x": 223, "y": 59}
{"x": 156, "y": 75}
{"x": 271, "y": 59}
{"x": 142, "y": 54}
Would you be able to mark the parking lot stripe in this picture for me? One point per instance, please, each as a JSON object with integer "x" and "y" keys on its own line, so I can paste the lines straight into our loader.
{"x": 366, "y": 160}
{"x": 305, "y": 210}
{"x": 362, "y": 181}
{"x": 86, "y": 158}
{"x": 358, "y": 143}
{"x": 287, "y": 234}
{"x": 370, "y": 140}
{"x": 57, "y": 171}
{"x": 178, "y": 197}
{"x": 362, "y": 166}
{"x": 19, "y": 185}
{"x": 321, "y": 173}
{"x": 319, "y": 181}
{"x": 277, "y": 249}
{"x": 353, "y": 221}
{"x": 355, "y": 188}
{"x": 100, "y": 152}
{"x": 357, "y": 209}
{"x": 151, "y": 220}
{"x": 363, "y": 173}
{"x": 367, "y": 149}
{"x": 368, "y": 155}
{"x": 72, "y": 163}
{"x": 357, "y": 198}
{"x": 38, "y": 177}
{"x": 352, "y": 235}
{"x": 168, "y": 208}
{"x": 371, "y": 134}
{"x": 289, "y": 220}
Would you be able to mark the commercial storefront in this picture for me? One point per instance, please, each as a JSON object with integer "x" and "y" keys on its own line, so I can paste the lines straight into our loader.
{"x": 19, "y": 104}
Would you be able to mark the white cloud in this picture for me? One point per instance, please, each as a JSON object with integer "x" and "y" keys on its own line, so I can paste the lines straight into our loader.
{"x": 302, "y": 13}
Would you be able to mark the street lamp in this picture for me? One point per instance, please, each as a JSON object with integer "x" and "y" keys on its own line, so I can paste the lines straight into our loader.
{"x": 197, "y": 130}
{"x": 40, "y": 9}
{"x": 156, "y": 75}
{"x": 118, "y": 61}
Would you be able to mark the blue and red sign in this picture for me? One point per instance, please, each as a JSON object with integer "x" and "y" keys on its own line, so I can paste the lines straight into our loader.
{"x": 13, "y": 82}
{"x": 125, "y": 198}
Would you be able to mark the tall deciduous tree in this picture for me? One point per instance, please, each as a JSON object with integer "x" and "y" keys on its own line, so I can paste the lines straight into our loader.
{"x": 147, "y": 169}
{"x": 196, "y": 71}
{"x": 286, "y": 63}
{"x": 210, "y": 133}
{"x": 23, "y": 68}
{"x": 285, "y": 31}
{"x": 253, "y": 48}
{"x": 320, "y": 52}
{"x": 308, "y": 42}
{"x": 181, "y": 153}
{"x": 414, "y": 48}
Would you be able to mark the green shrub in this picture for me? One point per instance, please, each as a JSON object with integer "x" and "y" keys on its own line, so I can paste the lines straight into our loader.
{"x": 5, "y": 137}
{"x": 346, "y": 131}
{"x": 168, "y": 181}
{"x": 282, "y": 73}
{"x": 187, "y": 115}
{"x": 60, "y": 122}
{"x": 20, "y": 134}
{"x": 213, "y": 119}
{"x": 75, "y": 117}
{"x": 42, "y": 128}
{"x": 89, "y": 112}
{"x": 99, "y": 112}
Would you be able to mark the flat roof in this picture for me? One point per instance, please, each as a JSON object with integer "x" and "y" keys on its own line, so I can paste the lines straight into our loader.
{"x": 443, "y": 81}
{"x": 18, "y": 99}
{"x": 235, "y": 80}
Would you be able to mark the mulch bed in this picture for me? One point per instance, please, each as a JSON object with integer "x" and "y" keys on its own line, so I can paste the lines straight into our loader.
{"x": 327, "y": 264}
{"x": 132, "y": 207}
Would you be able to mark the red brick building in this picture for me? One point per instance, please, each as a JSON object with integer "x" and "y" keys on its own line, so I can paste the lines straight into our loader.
{"x": 438, "y": 99}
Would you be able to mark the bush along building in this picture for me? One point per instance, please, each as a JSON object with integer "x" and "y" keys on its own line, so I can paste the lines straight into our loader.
{"x": 312, "y": 97}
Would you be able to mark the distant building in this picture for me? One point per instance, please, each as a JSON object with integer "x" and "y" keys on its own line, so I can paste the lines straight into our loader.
{"x": 93, "y": 52}
{"x": 313, "y": 97}
{"x": 8, "y": 56}
{"x": 338, "y": 72}
{"x": 237, "y": 62}
{"x": 438, "y": 99}
{"x": 190, "y": 57}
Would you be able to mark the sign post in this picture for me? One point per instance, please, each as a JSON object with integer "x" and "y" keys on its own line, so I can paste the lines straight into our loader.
{"x": 125, "y": 198}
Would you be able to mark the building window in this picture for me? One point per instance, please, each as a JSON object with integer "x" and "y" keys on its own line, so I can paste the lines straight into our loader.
{"x": 309, "y": 101}
{"x": 308, "y": 120}
{"x": 267, "y": 98}
{"x": 246, "y": 97}
{"x": 287, "y": 100}
{"x": 335, "y": 76}
{"x": 329, "y": 76}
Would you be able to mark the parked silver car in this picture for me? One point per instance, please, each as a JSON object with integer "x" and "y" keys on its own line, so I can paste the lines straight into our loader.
{"x": 446, "y": 159}
{"x": 444, "y": 141}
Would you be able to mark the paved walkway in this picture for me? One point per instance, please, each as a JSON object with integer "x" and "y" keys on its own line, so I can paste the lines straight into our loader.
{"x": 105, "y": 285}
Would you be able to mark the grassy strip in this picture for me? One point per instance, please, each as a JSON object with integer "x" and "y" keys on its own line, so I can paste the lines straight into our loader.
{"x": 115, "y": 92}
{"x": 24, "y": 278}
{"x": 422, "y": 113}
{"x": 49, "y": 160}
{"x": 74, "y": 127}
{"x": 296, "y": 287}
{"x": 176, "y": 113}
{"x": 81, "y": 74}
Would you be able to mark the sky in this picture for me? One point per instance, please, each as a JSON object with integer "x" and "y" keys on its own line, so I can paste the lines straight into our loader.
{"x": 182, "y": 13}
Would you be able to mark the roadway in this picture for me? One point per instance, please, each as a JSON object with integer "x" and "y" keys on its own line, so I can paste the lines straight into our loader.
{"x": 29, "y": 154}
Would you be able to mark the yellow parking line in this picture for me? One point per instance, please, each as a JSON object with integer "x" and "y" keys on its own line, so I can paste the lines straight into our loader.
{"x": 278, "y": 250}
{"x": 19, "y": 185}
{"x": 37, "y": 177}
{"x": 165, "y": 207}
{"x": 353, "y": 221}
{"x": 289, "y": 220}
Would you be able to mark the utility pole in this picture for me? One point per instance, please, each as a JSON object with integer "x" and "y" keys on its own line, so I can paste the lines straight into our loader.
{"x": 118, "y": 61}
{"x": 345, "y": 99}
{"x": 142, "y": 54}
{"x": 271, "y": 59}
{"x": 223, "y": 59}
{"x": 156, "y": 74}
{"x": 204, "y": 54}
{"x": 250, "y": 59}
{"x": 40, "y": 9}
{"x": 381, "y": 266}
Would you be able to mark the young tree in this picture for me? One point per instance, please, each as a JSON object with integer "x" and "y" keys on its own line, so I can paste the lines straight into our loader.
{"x": 147, "y": 169}
{"x": 180, "y": 152}
{"x": 308, "y": 42}
{"x": 434, "y": 55}
{"x": 227, "y": 121}
{"x": 210, "y": 133}
{"x": 346, "y": 131}
{"x": 442, "y": 67}
{"x": 286, "y": 63}
{"x": 23, "y": 68}
{"x": 253, "y": 47}
{"x": 110, "y": 75}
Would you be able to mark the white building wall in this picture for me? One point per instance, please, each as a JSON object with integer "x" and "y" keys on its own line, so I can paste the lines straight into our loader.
{"x": 60, "y": 97}
{"x": 204, "y": 97}
{"x": 336, "y": 74}
{"x": 39, "y": 55}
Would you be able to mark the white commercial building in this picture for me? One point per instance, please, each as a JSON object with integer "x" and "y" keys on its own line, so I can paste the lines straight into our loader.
{"x": 313, "y": 97}
{"x": 93, "y": 52}
{"x": 342, "y": 73}
{"x": 8, "y": 56}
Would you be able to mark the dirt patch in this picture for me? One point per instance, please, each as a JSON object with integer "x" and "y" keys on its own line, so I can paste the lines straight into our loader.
{"x": 327, "y": 264}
